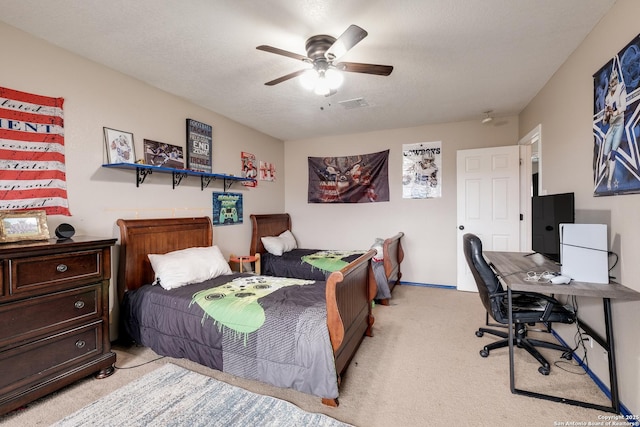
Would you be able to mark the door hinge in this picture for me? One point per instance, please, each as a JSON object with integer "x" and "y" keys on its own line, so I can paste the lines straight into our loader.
{"x": 521, "y": 217}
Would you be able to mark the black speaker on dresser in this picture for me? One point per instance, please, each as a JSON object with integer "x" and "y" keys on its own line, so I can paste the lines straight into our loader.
{"x": 65, "y": 231}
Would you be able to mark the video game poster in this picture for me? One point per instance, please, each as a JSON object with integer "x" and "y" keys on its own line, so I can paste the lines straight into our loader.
{"x": 227, "y": 208}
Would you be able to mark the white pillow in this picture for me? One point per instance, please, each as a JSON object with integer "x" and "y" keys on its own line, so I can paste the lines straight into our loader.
{"x": 377, "y": 245}
{"x": 186, "y": 266}
{"x": 281, "y": 244}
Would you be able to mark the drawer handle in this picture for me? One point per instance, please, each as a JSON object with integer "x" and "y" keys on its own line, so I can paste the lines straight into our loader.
{"x": 61, "y": 268}
{"x": 79, "y": 304}
{"x": 80, "y": 343}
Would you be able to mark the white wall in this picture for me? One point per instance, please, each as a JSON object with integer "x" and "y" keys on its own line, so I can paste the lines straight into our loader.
{"x": 429, "y": 224}
{"x": 564, "y": 107}
{"x": 96, "y": 96}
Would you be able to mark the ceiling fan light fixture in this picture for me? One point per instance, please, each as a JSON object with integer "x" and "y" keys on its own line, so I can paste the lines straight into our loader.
{"x": 321, "y": 82}
{"x": 309, "y": 78}
{"x": 322, "y": 51}
{"x": 334, "y": 78}
{"x": 322, "y": 87}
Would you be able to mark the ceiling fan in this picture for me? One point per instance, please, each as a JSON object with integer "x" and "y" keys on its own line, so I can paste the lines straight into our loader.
{"x": 323, "y": 74}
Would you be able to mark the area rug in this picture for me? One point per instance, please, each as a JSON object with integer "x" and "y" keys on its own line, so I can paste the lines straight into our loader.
{"x": 174, "y": 396}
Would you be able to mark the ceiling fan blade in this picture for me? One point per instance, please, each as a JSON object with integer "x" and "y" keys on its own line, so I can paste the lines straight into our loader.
{"x": 285, "y": 78}
{"x": 351, "y": 37}
{"x": 282, "y": 52}
{"x": 355, "y": 67}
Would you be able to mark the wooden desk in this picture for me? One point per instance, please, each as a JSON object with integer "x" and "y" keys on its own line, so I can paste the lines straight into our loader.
{"x": 512, "y": 268}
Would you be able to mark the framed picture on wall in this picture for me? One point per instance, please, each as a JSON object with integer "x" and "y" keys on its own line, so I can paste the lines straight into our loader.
{"x": 199, "y": 146}
{"x": 163, "y": 154}
{"x": 120, "y": 148}
{"x": 227, "y": 208}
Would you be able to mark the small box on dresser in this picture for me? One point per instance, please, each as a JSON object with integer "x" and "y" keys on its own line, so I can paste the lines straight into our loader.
{"x": 54, "y": 316}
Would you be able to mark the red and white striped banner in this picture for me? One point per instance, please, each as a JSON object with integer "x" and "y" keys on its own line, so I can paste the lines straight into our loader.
{"x": 32, "y": 168}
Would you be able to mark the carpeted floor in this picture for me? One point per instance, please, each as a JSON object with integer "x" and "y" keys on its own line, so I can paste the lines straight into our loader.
{"x": 422, "y": 368}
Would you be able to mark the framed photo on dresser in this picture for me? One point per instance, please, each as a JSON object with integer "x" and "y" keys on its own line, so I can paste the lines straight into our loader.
{"x": 16, "y": 226}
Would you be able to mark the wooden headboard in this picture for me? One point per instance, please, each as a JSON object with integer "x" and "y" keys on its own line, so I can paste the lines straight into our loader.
{"x": 265, "y": 226}
{"x": 140, "y": 237}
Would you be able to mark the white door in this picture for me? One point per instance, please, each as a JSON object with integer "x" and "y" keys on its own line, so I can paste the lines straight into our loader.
{"x": 488, "y": 202}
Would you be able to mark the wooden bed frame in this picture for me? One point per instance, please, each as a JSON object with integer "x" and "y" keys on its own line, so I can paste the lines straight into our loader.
{"x": 266, "y": 225}
{"x": 348, "y": 291}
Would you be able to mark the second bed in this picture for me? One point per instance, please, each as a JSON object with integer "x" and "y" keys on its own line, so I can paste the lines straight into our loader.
{"x": 317, "y": 264}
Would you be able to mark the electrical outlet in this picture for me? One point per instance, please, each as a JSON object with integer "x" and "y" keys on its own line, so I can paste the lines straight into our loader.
{"x": 589, "y": 339}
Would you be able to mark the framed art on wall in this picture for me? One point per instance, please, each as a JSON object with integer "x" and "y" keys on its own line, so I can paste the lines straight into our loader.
{"x": 120, "y": 148}
{"x": 616, "y": 132}
{"x": 421, "y": 170}
{"x": 227, "y": 208}
{"x": 249, "y": 168}
{"x": 199, "y": 146}
{"x": 16, "y": 226}
{"x": 163, "y": 154}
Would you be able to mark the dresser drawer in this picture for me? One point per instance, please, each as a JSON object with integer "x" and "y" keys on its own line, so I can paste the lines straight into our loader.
{"x": 37, "y": 360}
{"x": 46, "y": 314}
{"x": 35, "y": 274}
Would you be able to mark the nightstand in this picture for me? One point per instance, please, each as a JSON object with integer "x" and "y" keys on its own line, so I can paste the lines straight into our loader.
{"x": 242, "y": 264}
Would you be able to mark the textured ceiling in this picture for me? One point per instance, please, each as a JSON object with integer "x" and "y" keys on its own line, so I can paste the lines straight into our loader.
{"x": 453, "y": 59}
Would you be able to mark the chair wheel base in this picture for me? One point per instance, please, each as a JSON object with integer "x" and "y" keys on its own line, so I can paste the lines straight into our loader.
{"x": 484, "y": 352}
{"x": 479, "y": 334}
{"x": 543, "y": 370}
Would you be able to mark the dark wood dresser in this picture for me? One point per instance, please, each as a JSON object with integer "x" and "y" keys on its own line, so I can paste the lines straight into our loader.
{"x": 54, "y": 316}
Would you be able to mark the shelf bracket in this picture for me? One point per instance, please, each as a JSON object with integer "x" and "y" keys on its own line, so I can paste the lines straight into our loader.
{"x": 227, "y": 183}
{"x": 177, "y": 178}
{"x": 141, "y": 174}
{"x": 204, "y": 181}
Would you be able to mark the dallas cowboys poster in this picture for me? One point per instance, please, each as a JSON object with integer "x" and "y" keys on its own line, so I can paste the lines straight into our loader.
{"x": 616, "y": 123}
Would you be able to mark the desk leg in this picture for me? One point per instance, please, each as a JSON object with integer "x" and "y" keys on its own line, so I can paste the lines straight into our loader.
{"x": 512, "y": 380}
{"x": 613, "y": 374}
{"x": 607, "y": 344}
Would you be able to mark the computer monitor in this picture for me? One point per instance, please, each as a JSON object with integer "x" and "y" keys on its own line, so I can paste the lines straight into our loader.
{"x": 547, "y": 213}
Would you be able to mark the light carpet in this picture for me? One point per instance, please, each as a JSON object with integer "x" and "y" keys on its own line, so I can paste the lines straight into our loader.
{"x": 174, "y": 396}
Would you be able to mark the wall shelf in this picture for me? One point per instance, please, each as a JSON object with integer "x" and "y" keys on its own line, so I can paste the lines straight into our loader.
{"x": 142, "y": 171}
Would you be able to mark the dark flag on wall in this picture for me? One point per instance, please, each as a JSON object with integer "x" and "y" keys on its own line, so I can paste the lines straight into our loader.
{"x": 32, "y": 164}
{"x": 351, "y": 179}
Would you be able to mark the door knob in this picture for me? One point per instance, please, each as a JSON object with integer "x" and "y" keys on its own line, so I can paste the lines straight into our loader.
{"x": 461, "y": 227}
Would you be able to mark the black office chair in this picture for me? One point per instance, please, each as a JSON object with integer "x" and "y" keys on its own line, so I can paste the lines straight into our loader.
{"x": 529, "y": 308}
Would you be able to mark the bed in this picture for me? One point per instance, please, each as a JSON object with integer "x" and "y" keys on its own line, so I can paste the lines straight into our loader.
{"x": 386, "y": 274}
{"x": 326, "y": 320}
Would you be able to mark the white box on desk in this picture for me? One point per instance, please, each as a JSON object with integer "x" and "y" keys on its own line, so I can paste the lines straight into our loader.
{"x": 583, "y": 252}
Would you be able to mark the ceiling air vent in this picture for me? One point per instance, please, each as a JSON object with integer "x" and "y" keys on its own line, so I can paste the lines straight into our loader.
{"x": 354, "y": 103}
